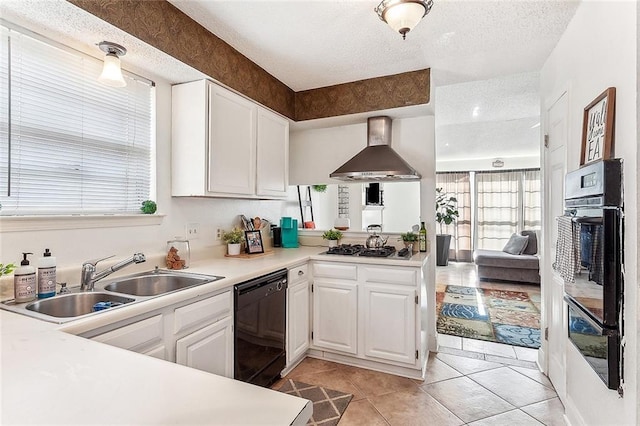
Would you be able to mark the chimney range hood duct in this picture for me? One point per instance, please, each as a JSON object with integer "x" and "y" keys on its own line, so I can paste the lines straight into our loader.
{"x": 378, "y": 161}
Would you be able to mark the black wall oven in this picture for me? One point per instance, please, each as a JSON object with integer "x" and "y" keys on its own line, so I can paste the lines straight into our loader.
{"x": 593, "y": 200}
{"x": 259, "y": 332}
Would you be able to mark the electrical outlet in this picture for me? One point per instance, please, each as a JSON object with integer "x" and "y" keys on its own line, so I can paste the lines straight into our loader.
{"x": 193, "y": 231}
{"x": 219, "y": 234}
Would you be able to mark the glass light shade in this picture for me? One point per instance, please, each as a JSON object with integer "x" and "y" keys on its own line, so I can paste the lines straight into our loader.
{"x": 111, "y": 72}
{"x": 404, "y": 16}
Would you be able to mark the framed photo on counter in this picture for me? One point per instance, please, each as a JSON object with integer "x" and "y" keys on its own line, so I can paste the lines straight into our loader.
{"x": 254, "y": 242}
{"x": 597, "y": 128}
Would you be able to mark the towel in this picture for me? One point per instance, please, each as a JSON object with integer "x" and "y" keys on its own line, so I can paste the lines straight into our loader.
{"x": 567, "y": 248}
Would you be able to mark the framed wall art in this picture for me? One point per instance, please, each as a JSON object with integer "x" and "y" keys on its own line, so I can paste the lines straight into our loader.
{"x": 598, "y": 128}
{"x": 254, "y": 242}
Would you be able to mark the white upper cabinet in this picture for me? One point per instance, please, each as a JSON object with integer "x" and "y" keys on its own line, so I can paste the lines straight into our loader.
{"x": 272, "y": 154}
{"x": 232, "y": 143}
{"x": 224, "y": 145}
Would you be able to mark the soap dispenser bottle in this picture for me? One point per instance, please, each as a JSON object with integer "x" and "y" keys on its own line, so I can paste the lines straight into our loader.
{"x": 24, "y": 281}
{"x": 46, "y": 275}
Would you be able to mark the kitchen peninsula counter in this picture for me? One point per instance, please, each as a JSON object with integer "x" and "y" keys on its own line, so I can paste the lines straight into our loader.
{"x": 52, "y": 376}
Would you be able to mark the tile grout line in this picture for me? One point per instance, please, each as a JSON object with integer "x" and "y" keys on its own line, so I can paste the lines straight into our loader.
{"x": 547, "y": 386}
{"x": 481, "y": 418}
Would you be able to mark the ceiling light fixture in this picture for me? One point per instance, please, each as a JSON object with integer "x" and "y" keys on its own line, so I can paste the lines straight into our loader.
{"x": 403, "y": 15}
{"x": 498, "y": 163}
{"x": 111, "y": 72}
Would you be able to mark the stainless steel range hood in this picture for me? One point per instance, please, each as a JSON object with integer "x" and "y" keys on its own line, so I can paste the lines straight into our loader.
{"x": 378, "y": 161}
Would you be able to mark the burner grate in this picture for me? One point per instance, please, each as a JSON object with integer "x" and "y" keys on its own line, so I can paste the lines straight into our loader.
{"x": 385, "y": 251}
{"x": 346, "y": 249}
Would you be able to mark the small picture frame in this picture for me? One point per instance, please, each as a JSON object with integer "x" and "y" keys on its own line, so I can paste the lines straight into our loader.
{"x": 597, "y": 128}
{"x": 254, "y": 242}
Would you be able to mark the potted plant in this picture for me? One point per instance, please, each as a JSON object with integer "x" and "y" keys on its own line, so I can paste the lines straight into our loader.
{"x": 410, "y": 239}
{"x": 234, "y": 239}
{"x": 332, "y": 235}
{"x": 149, "y": 207}
{"x": 6, "y": 269}
{"x": 446, "y": 213}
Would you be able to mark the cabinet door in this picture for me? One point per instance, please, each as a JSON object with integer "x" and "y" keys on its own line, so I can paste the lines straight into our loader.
{"x": 144, "y": 336}
{"x": 335, "y": 315}
{"x": 232, "y": 141}
{"x": 298, "y": 321}
{"x": 389, "y": 322}
{"x": 272, "y": 154}
{"x": 209, "y": 349}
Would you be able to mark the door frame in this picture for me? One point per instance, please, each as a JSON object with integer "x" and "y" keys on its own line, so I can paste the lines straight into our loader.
{"x": 546, "y": 272}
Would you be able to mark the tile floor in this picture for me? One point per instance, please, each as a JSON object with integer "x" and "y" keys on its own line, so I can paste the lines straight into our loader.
{"x": 467, "y": 382}
{"x": 457, "y": 390}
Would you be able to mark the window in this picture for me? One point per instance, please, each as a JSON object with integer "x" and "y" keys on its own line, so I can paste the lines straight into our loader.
{"x": 69, "y": 145}
{"x": 507, "y": 202}
{"x": 492, "y": 206}
{"x": 458, "y": 185}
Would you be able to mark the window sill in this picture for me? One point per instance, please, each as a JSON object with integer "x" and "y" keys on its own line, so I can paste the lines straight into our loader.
{"x": 46, "y": 223}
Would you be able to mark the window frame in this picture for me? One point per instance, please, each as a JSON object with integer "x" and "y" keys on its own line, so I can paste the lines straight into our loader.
{"x": 51, "y": 221}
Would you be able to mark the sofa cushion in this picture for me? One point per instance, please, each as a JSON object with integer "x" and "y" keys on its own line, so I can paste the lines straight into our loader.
{"x": 516, "y": 244}
{"x": 532, "y": 245}
{"x": 501, "y": 259}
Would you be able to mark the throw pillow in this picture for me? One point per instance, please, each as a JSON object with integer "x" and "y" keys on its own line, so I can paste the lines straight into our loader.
{"x": 532, "y": 245}
{"x": 516, "y": 244}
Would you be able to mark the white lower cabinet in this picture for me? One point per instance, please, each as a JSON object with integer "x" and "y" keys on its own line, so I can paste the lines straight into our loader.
{"x": 208, "y": 349}
{"x": 298, "y": 321}
{"x": 197, "y": 334}
{"x": 145, "y": 337}
{"x": 369, "y": 312}
{"x": 335, "y": 318}
{"x": 389, "y": 322}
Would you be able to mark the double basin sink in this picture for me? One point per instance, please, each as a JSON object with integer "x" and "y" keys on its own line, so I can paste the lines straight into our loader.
{"x": 115, "y": 292}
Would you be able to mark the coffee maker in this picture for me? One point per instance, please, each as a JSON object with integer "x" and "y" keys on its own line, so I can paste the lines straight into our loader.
{"x": 289, "y": 232}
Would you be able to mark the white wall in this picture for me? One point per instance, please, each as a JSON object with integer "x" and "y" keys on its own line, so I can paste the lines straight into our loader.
{"x": 315, "y": 153}
{"x": 598, "y": 50}
{"x": 71, "y": 247}
{"x": 510, "y": 163}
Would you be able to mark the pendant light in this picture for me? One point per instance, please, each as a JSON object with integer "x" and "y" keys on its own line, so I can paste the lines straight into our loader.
{"x": 403, "y": 15}
{"x": 111, "y": 72}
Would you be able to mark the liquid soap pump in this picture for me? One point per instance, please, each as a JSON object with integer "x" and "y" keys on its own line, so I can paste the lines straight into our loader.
{"x": 46, "y": 275}
{"x": 24, "y": 281}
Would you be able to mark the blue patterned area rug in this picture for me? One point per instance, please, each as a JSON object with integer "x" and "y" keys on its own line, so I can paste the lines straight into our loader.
{"x": 511, "y": 317}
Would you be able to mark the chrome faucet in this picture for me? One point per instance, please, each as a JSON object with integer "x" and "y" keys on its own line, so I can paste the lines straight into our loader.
{"x": 90, "y": 276}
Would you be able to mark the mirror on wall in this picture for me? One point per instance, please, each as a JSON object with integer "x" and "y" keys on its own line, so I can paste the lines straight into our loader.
{"x": 394, "y": 205}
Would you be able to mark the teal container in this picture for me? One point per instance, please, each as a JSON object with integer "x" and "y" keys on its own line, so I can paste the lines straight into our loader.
{"x": 289, "y": 232}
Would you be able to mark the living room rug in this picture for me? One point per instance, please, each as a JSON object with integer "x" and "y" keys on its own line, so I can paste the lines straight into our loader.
{"x": 328, "y": 404}
{"x": 502, "y": 316}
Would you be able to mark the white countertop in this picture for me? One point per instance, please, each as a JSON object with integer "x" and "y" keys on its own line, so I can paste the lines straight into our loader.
{"x": 50, "y": 376}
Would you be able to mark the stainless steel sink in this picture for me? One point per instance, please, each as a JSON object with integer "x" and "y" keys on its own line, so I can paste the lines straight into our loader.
{"x": 115, "y": 292}
{"x": 157, "y": 282}
{"x": 77, "y": 304}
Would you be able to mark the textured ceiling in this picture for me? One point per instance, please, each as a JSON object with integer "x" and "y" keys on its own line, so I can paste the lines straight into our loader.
{"x": 310, "y": 44}
{"x": 481, "y": 53}
{"x": 74, "y": 27}
{"x": 487, "y": 119}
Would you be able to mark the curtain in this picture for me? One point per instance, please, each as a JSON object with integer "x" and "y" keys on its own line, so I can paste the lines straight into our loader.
{"x": 507, "y": 202}
{"x": 532, "y": 199}
{"x": 498, "y": 199}
{"x": 458, "y": 185}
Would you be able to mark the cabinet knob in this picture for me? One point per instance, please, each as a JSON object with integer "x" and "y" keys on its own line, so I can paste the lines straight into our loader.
{"x": 300, "y": 273}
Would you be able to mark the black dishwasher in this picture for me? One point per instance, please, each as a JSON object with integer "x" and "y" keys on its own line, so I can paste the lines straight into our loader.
{"x": 259, "y": 328}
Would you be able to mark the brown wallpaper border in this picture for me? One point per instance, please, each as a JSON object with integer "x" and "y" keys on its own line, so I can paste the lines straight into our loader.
{"x": 392, "y": 91}
{"x": 163, "y": 26}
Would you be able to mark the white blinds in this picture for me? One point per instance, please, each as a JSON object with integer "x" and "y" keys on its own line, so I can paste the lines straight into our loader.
{"x": 69, "y": 144}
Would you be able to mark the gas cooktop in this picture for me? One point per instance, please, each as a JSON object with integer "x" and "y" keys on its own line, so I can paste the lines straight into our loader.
{"x": 360, "y": 250}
